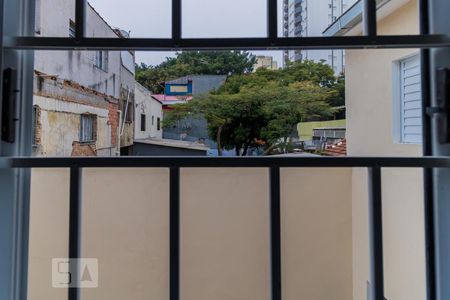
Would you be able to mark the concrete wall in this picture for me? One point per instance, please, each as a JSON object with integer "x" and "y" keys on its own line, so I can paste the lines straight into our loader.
{"x": 61, "y": 126}
{"x": 224, "y": 233}
{"x": 370, "y": 117}
{"x": 77, "y": 66}
{"x": 152, "y": 109}
{"x": 60, "y": 105}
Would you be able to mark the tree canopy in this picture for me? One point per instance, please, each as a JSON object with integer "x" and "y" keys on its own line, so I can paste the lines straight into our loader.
{"x": 261, "y": 110}
{"x": 194, "y": 63}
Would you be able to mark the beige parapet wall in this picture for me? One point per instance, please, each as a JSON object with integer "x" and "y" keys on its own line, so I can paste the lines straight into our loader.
{"x": 224, "y": 233}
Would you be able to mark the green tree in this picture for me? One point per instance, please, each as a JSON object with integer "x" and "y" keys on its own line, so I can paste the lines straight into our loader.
{"x": 194, "y": 62}
{"x": 257, "y": 116}
{"x": 262, "y": 109}
{"x": 339, "y": 99}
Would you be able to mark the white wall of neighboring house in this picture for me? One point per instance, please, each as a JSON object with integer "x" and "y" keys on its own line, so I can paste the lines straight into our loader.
{"x": 107, "y": 72}
{"x": 78, "y": 66}
{"x": 152, "y": 110}
{"x": 371, "y": 99}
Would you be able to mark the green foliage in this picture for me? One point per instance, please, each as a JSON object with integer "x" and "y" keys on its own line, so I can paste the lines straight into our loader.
{"x": 194, "y": 63}
{"x": 262, "y": 109}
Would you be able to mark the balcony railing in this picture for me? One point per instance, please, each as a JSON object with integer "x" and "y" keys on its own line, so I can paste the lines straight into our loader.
{"x": 373, "y": 164}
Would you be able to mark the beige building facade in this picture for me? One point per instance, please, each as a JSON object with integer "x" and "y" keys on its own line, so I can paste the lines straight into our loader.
{"x": 372, "y": 99}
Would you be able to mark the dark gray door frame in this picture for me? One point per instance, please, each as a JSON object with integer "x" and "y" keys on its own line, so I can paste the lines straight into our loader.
{"x": 440, "y": 206}
{"x": 15, "y": 183}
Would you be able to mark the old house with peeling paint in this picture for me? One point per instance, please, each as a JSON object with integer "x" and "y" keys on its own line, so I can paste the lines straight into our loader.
{"x": 83, "y": 100}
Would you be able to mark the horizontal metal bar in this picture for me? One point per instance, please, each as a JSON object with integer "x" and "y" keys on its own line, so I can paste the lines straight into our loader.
{"x": 224, "y": 162}
{"x": 282, "y": 43}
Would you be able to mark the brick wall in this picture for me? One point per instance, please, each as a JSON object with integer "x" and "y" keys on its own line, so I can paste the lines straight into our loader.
{"x": 37, "y": 125}
{"x": 113, "y": 119}
{"x": 81, "y": 149}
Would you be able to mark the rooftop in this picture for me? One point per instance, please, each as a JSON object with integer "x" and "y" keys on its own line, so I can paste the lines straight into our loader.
{"x": 167, "y": 99}
{"x": 339, "y": 149}
{"x": 329, "y": 128}
{"x": 174, "y": 144}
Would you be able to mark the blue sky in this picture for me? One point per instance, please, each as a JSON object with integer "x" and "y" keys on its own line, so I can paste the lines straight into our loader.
{"x": 201, "y": 18}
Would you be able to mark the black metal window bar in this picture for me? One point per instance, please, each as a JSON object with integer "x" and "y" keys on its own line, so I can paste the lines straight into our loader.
{"x": 370, "y": 39}
{"x": 272, "y": 42}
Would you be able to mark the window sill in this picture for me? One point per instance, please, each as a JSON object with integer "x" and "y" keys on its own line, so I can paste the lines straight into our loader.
{"x": 87, "y": 142}
{"x": 101, "y": 69}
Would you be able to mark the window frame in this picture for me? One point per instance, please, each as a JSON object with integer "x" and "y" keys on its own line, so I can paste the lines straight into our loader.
{"x": 72, "y": 28}
{"x": 101, "y": 60}
{"x": 93, "y": 128}
{"x": 398, "y": 101}
{"x": 143, "y": 123}
{"x": 17, "y": 29}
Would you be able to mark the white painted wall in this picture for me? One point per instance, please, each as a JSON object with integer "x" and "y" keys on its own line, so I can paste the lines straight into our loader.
{"x": 152, "y": 109}
{"x": 78, "y": 66}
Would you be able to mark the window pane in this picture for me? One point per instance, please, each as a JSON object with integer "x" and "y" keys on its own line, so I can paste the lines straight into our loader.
{"x": 143, "y": 120}
{"x": 131, "y": 18}
{"x": 302, "y": 18}
{"x": 224, "y": 19}
{"x": 401, "y": 17}
{"x": 55, "y": 18}
{"x": 69, "y": 84}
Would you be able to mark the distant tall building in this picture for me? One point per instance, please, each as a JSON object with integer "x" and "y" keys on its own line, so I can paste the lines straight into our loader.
{"x": 309, "y": 18}
{"x": 265, "y": 62}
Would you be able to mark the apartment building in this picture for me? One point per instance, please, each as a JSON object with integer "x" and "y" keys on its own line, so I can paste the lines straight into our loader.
{"x": 309, "y": 18}
{"x": 265, "y": 62}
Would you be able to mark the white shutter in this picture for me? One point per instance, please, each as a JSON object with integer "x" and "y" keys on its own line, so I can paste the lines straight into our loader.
{"x": 411, "y": 100}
